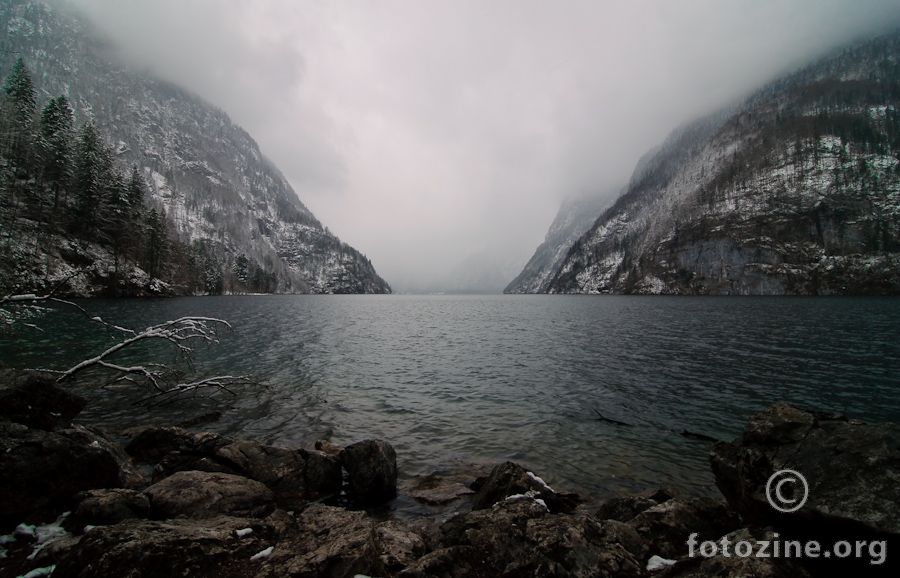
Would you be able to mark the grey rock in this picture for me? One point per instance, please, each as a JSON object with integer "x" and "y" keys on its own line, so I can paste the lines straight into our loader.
{"x": 153, "y": 443}
{"x": 295, "y": 476}
{"x": 508, "y": 479}
{"x": 522, "y": 538}
{"x": 34, "y": 399}
{"x": 39, "y": 468}
{"x": 434, "y": 490}
{"x": 665, "y": 528}
{"x": 852, "y": 468}
{"x": 145, "y": 548}
{"x": 179, "y": 461}
{"x": 92, "y": 436}
{"x": 625, "y": 508}
{"x": 372, "y": 465}
{"x": 452, "y": 562}
{"x": 110, "y": 506}
{"x": 201, "y": 495}
{"x": 328, "y": 448}
{"x": 328, "y": 541}
{"x": 399, "y": 545}
{"x": 734, "y": 566}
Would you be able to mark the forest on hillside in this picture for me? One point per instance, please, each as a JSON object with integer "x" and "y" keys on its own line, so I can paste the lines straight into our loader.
{"x": 68, "y": 209}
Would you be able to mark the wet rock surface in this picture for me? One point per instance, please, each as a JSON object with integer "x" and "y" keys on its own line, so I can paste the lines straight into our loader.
{"x": 522, "y": 538}
{"x": 511, "y": 479}
{"x": 852, "y": 470}
{"x": 327, "y": 541}
{"x": 39, "y": 468}
{"x": 162, "y": 548}
{"x": 223, "y": 507}
{"x": 434, "y": 490}
{"x": 666, "y": 527}
{"x": 738, "y": 566}
{"x": 372, "y": 465}
{"x": 110, "y": 506}
{"x": 207, "y": 495}
{"x": 625, "y": 508}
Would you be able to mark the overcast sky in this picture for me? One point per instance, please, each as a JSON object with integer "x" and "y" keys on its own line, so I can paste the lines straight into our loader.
{"x": 424, "y": 133}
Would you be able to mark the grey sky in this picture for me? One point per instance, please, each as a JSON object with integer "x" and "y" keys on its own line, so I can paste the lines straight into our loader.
{"x": 426, "y": 132}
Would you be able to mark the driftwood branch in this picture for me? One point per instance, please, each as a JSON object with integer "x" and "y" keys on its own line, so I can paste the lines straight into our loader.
{"x": 185, "y": 334}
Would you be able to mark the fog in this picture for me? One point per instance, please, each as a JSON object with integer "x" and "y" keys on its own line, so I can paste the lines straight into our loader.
{"x": 429, "y": 135}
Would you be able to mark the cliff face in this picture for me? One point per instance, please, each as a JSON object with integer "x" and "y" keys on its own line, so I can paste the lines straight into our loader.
{"x": 574, "y": 218}
{"x": 207, "y": 173}
{"x": 795, "y": 191}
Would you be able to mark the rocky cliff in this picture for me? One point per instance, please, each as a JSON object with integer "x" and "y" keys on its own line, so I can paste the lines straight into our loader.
{"x": 574, "y": 218}
{"x": 794, "y": 191}
{"x": 207, "y": 174}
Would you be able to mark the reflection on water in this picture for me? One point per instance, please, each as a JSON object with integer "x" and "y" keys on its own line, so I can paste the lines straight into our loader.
{"x": 455, "y": 380}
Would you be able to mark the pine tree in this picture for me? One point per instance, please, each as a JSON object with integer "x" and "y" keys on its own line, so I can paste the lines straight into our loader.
{"x": 156, "y": 242}
{"x": 137, "y": 192}
{"x": 55, "y": 146}
{"x": 22, "y": 101}
{"x": 93, "y": 164}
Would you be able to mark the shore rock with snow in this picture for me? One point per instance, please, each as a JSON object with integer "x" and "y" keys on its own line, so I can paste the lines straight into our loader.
{"x": 46, "y": 469}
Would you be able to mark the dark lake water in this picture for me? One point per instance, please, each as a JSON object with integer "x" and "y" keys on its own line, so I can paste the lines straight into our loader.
{"x": 457, "y": 380}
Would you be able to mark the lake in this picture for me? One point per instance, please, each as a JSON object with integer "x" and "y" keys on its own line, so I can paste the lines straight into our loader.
{"x": 452, "y": 381}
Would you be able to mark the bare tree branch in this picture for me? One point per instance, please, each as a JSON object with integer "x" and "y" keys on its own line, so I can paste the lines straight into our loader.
{"x": 184, "y": 334}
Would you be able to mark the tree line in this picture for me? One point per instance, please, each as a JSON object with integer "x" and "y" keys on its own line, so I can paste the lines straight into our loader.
{"x": 60, "y": 183}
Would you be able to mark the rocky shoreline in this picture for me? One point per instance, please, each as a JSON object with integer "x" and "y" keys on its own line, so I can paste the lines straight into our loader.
{"x": 175, "y": 502}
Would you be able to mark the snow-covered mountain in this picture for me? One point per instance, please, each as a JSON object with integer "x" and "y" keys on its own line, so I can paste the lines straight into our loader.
{"x": 206, "y": 172}
{"x": 574, "y": 218}
{"x": 794, "y": 191}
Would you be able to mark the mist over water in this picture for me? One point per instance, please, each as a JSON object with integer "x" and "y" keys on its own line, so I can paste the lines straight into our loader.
{"x": 452, "y": 381}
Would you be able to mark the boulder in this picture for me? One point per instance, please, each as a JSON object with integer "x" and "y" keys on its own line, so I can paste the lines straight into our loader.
{"x": 399, "y": 546}
{"x": 296, "y": 476}
{"x": 852, "y": 471}
{"x": 110, "y": 506}
{"x": 328, "y": 541}
{"x": 328, "y": 448}
{"x": 452, "y": 562}
{"x": 96, "y": 437}
{"x": 40, "y": 469}
{"x": 145, "y": 548}
{"x": 666, "y": 527}
{"x": 509, "y": 479}
{"x": 434, "y": 490}
{"x": 520, "y": 537}
{"x": 625, "y": 508}
{"x": 179, "y": 461}
{"x": 201, "y": 495}
{"x": 152, "y": 444}
{"x": 737, "y": 566}
{"x": 372, "y": 465}
{"x": 35, "y": 400}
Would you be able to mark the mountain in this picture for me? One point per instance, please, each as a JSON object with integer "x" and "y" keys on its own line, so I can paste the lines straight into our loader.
{"x": 208, "y": 176}
{"x": 574, "y": 218}
{"x": 794, "y": 191}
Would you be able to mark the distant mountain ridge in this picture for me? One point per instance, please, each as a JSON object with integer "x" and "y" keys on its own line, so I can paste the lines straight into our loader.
{"x": 794, "y": 191}
{"x": 574, "y": 218}
{"x": 206, "y": 172}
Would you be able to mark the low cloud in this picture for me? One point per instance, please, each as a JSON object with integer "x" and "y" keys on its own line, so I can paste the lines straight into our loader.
{"x": 425, "y": 133}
